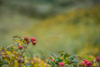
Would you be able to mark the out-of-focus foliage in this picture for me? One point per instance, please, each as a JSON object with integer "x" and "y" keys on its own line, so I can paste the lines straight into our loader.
{"x": 13, "y": 56}
{"x": 72, "y": 26}
{"x": 69, "y": 60}
{"x": 76, "y": 31}
{"x": 10, "y": 57}
{"x": 46, "y": 8}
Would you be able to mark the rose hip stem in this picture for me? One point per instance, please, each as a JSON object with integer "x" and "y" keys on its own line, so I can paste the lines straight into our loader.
{"x": 24, "y": 50}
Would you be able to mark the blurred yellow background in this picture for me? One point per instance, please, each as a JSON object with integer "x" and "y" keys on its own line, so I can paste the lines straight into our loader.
{"x": 57, "y": 25}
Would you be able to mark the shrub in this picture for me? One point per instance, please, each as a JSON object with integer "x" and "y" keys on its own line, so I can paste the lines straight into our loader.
{"x": 14, "y": 56}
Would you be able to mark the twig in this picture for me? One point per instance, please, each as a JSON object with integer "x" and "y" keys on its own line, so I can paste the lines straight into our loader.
{"x": 24, "y": 50}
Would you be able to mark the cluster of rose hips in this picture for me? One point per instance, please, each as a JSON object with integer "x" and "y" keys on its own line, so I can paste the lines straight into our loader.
{"x": 27, "y": 41}
{"x": 85, "y": 62}
{"x": 88, "y": 63}
{"x": 82, "y": 63}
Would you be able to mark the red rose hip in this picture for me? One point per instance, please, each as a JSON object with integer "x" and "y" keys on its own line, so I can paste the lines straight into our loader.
{"x": 20, "y": 47}
{"x": 88, "y": 63}
{"x": 98, "y": 58}
{"x": 25, "y": 38}
{"x": 61, "y": 64}
{"x": 32, "y": 39}
{"x": 34, "y": 42}
{"x": 83, "y": 63}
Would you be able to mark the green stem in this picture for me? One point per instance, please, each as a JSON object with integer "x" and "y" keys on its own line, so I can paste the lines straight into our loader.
{"x": 24, "y": 50}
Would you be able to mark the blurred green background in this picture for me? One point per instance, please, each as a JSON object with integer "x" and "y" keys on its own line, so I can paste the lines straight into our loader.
{"x": 72, "y": 26}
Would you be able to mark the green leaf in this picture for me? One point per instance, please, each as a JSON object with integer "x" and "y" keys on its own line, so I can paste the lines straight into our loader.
{"x": 73, "y": 56}
{"x": 55, "y": 55}
{"x": 71, "y": 66}
{"x": 58, "y": 60}
{"x": 4, "y": 62}
{"x": 70, "y": 59}
{"x": 1, "y": 58}
{"x": 66, "y": 55}
{"x": 52, "y": 63}
{"x": 66, "y": 65}
{"x": 28, "y": 64}
{"x": 61, "y": 53}
{"x": 75, "y": 61}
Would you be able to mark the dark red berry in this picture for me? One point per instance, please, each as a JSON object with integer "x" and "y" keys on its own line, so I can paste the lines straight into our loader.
{"x": 88, "y": 63}
{"x": 98, "y": 58}
{"x": 27, "y": 42}
{"x": 34, "y": 42}
{"x": 83, "y": 63}
{"x": 32, "y": 39}
{"x": 20, "y": 47}
{"x": 61, "y": 64}
{"x": 25, "y": 38}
